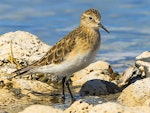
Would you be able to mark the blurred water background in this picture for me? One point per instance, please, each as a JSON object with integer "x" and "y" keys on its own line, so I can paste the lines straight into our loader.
{"x": 128, "y": 22}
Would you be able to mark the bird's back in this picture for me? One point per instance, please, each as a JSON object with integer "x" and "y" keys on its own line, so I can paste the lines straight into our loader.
{"x": 72, "y": 53}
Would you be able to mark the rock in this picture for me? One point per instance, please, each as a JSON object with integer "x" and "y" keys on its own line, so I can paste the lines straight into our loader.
{"x": 144, "y": 56}
{"x": 144, "y": 60}
{"x": 84, "y": 105}
{"x": 80, "y": 106}
{"x": 6, "y": 97}
{"x": 98, "y": 70}
{"x": 147, "y": 103}
{"x": 2, "y": 111}
{"x": 111, "y": 107}
{"x": 130, "y": 75}
{"x": 41, "y": 109}
{"x": 21, "y": 93}
{"x": 32, "y": 85}
{"x": 23, "y": 84}
{"x": 97, "y": 87}
{"x": 95, "y": 78}
{"x": 136, "y": 94}
{"x": 137, "y": 72}
{"x": 26, "y": 48}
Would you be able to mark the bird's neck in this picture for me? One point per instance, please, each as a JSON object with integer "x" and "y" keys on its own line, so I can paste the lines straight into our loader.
{"x": 90, "y": 37}
{"x": 89, "y": 29}
{"x": 89, "y": 34}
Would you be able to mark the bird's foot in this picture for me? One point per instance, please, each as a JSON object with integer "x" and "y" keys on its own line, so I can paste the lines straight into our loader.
{"x": 73, "y": 100}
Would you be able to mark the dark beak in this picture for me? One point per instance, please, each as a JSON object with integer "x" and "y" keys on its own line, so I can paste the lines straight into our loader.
{"x": 101, "y": 26}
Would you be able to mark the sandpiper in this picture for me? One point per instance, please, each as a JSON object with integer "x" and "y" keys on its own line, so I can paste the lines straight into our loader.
{"x": 72, "y": 53}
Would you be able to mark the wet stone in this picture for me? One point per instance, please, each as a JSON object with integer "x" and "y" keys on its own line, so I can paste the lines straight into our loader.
{"x": 98, "y": 87}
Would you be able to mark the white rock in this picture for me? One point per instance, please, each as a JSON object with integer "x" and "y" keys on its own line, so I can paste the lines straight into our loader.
{"x": 111, "y": 107}
{"x": 130, "y": 75}
{"x": 145, "y": 55}
{"x": 25, "y": 46}
{"x": 41, "y": 109}
{"x": 136, "y": 94}
{"x": 146, "y": 66}
{"x": 144, "y": 60}
{"x": 79, "y": 106}
{"x": 6, "y": 97}
{"x": 32, "y": 85}
{"x": 95, "y": 79}
{"x": 98, "y": 70}
{"x": 147, "y": 102}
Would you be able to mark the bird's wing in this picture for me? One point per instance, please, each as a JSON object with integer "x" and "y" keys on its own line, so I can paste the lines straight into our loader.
{"x": 55, "y": 55}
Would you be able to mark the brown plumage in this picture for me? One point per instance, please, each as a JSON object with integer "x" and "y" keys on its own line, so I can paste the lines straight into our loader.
{"x": 73, "y": 52}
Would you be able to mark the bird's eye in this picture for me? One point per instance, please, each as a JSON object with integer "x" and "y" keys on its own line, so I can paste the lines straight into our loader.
{"x": 90, "y": 18}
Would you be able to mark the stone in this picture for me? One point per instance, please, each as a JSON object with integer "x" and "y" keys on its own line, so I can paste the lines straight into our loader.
{"x": 6, "y": 97}
{"x": 97, "y": 87}
{"x": 17, "y": 94}
{"x": 32, "y": 85}
{"x": 112, "y": 107}
{"x": 145, "y": 56}
{"x": 41, "y": 109}
{"x": 2, "y": 111}
{"x": 144, "y": 60}
{"x": 80, "y": 106}
{"x": 25, "y": 48}
{"x": 130, "y": 75}
{"x": 98, "y": 70}
{"x": 136, "y": 94}
{"x": 147, "y": 103}
{"x": 84, "y": 105}
{"x": 95, "y": 79}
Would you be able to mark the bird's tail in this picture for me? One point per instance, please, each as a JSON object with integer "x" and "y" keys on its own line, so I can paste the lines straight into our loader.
{"x": 21, "y": 72}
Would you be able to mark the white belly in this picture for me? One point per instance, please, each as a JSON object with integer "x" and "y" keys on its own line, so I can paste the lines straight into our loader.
{"x": 68, "y": 67}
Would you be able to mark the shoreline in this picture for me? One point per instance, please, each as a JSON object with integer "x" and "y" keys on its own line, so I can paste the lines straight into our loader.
{"x": 97, "y": 88}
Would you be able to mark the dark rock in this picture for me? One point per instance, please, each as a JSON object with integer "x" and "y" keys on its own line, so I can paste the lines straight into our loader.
{"x": 98, "y": 87}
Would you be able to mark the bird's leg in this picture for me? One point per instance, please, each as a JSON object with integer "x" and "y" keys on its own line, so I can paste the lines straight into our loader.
{"x": 68, "y": 87}
{"x": 63, "y": 87}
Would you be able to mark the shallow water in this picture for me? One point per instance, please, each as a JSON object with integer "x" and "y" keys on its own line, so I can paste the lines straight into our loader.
{"x": 128, "y": 22}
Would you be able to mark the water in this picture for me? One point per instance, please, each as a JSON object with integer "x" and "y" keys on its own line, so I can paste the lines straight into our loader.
{"x": 128, "y": 22}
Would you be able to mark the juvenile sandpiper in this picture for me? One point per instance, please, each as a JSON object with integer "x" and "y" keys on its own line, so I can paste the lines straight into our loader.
{"x": 72, "y": 53}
